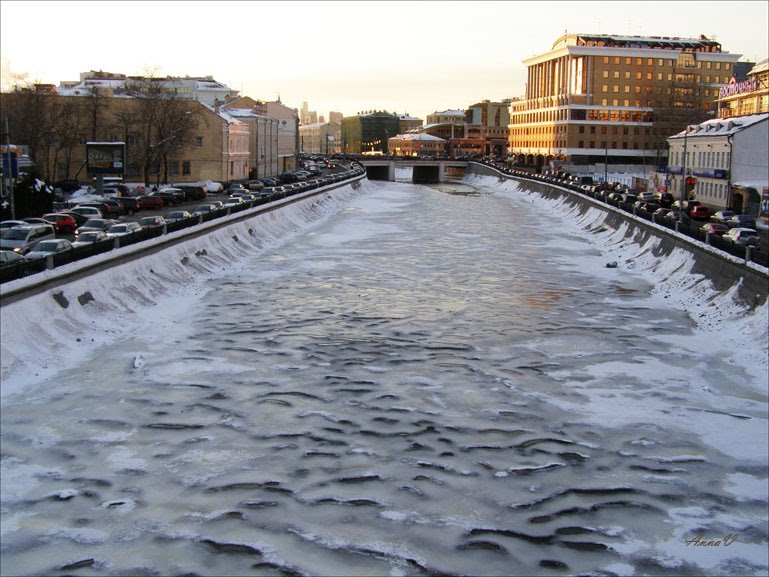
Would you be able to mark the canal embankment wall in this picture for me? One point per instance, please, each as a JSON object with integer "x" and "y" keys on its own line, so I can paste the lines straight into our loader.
{"x": 749, "y": 281}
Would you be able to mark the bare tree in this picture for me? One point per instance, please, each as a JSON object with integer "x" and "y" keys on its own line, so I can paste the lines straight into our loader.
{"x": 164, "y": 122}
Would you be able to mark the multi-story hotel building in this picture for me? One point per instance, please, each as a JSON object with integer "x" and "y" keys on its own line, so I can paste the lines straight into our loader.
{"x": 601, "y": 98}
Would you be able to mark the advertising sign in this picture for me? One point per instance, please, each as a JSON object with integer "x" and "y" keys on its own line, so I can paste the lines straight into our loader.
{"x": 105, "y": 157}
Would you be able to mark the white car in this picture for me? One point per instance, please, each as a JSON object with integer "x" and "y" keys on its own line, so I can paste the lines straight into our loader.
{"x": 742, "y": 236}
{"x": 123, "y": 229}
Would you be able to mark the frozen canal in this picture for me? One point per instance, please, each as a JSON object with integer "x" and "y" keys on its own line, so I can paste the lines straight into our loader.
{"x": 435, "y": 380}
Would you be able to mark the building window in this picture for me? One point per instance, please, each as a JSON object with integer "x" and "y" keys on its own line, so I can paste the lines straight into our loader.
{"x": 616, "y": 74}
{"x": 627, "y": 74}
{"x": 649, "y": 61}
{"x": 605, "y": 59}
{"x": 605, "y": 88}
{"x": 174, "y": 168}
{"x": 592, "y": 130}
{"x": 605, "y": 74}
{"x": 627, "y": 89}
{"x": 198, "y": 142}
{"x": 648, "y": 76}
{"x": 615, "y": 88}
{"x": 616, "y": 60}
{"x": 592, "y": 144}
{"x": 186, "y": 167}
{"x": 581, "y": 144}
{"x": 582, "y": 129}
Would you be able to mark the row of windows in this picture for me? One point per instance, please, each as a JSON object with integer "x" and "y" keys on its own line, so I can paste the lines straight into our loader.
{"x": 664, "y": 62}
{"x": 707, "y": 78}
{"x": 647, "y": 89}
{"x": 602, "y": 145}
{"x": 701, "y": 159}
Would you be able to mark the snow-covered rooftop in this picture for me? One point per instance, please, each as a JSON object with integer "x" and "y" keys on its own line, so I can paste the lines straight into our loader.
{"x": 721, "y": 126}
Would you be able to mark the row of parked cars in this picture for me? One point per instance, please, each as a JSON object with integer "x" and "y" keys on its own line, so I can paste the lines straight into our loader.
{"x": 96, "y": 220}
{"x": 737, "y": 229}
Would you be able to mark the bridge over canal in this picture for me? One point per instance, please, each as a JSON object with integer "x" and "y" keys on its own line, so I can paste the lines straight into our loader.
{"x": 424, "y": 170}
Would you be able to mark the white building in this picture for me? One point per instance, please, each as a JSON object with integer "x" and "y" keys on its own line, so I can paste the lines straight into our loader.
{"x": 447, "y": 117}
{"x": 729, "y": 158}
{"x": 204, "y": 89}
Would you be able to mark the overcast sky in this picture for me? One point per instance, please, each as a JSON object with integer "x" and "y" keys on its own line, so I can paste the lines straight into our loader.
{"x": 415, "y": 57}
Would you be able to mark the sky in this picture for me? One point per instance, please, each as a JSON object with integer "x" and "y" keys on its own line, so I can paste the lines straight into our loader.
{"x": 404, "y": 57}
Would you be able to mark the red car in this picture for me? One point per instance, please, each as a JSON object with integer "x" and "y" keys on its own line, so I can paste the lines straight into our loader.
{"x": 700, "y": 212}
{"x": 714, "y": 228}
{"x": 150, "y": 202}
{"x": 61, "y": 222}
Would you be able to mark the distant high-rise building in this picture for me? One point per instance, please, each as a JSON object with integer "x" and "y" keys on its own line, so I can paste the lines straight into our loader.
{"x": 335, "y": 117}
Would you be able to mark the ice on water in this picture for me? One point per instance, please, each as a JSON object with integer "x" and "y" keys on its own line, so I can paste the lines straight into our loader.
{"x": 401, "y": 380}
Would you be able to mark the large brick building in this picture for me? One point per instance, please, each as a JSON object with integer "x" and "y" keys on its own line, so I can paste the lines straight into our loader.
{"x": 594, "y": 97}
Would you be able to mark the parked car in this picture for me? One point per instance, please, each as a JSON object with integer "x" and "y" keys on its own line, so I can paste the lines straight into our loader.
{"x": 9, "y": 258}
{"x": 235, "y": 187}
{"x": 193, "y": 191}
{"x": 203, "y": 209}
{"x": 168, "y": 198}
{"x": 89, "y": 237}
{"x": 665, "y": 199}
{"x": 179, "y": 194}
{"x": 722, "y": 216}
{"x": 114, "y": 208}
{"x": 131, "y": 204}
{"x": 700, "y": 212}
{"x": 741, "y": 221}
{"x": 24, "y": 238}
{"x": 176, "y": 215}
{"x": 233, "y": 201}
{"x": 9, "y": 224}
{"x": 123, "y": 229}
{"x": 102, "y": 224}
{"x": 217, "y": 204}
{"x": 62, "y": 223}
{"x": 148, "y": 222}
{"x": 35, "y": 220}
{"x": 78, "y": 218}
{"x": 87, "y": 211}
{"x": 742, "y": 236}
{"x": 47, "y": 248}
{"x": 677, "y": 216}
{"x": 103, "y": 207}
{"x": 148, "y": 202}
{"x": 714, "y": 228}
{"x": 255, "y": 185}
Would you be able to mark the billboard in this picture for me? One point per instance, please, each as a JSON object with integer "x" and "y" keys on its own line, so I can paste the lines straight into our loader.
{"x": 105, "y": 157}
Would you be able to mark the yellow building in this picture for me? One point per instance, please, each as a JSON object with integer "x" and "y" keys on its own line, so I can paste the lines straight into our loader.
{"x": 594, "y": 98}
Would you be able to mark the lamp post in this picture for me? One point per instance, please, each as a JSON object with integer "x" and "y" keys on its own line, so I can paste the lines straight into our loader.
{"x": 683, "y": 178}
